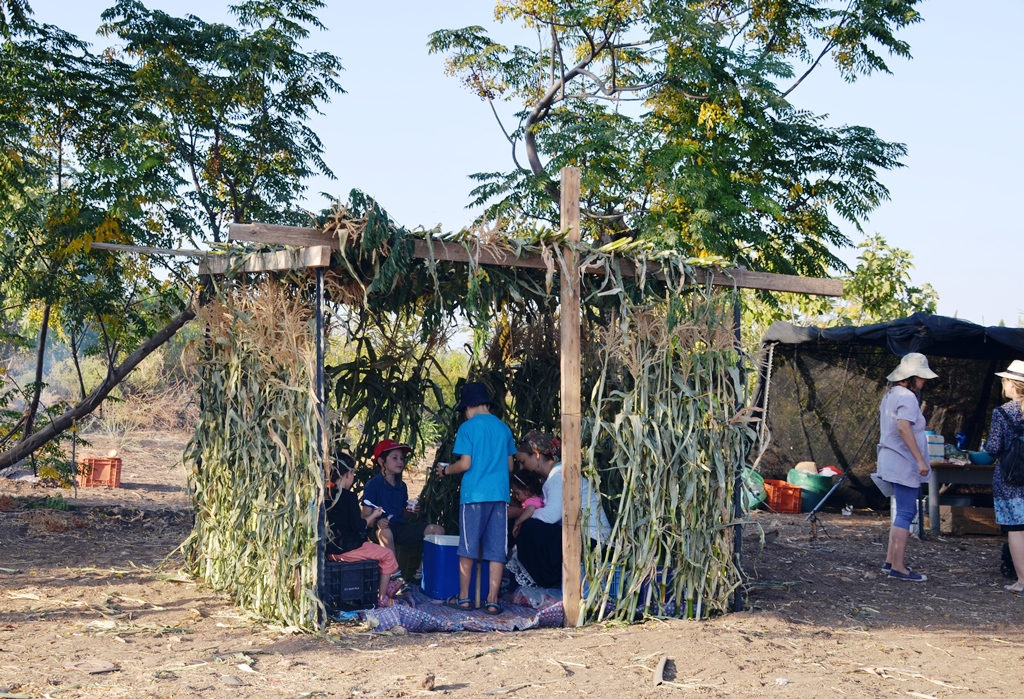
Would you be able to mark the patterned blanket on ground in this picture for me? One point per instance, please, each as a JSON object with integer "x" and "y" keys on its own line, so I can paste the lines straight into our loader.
{"x": 418, "y": 613}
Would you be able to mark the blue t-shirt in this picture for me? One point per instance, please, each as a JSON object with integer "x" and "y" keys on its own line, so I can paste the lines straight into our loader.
{"x": 393, "y": 498}
{"x": 488, "y": 442}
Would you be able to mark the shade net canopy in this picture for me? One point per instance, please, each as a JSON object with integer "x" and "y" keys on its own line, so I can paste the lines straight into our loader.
{"x": 822, "y": 388}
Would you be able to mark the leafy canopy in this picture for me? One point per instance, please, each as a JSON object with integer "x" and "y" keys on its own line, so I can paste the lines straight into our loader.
{"x": 233, "y": 104}
{"x": 679, "y": 115}
{"x": 170, "y": 135}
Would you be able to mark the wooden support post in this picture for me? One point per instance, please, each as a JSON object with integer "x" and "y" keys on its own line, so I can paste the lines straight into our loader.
{"x": 572, "y": 449}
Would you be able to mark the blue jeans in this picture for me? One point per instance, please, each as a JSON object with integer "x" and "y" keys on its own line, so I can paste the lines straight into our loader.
{"x": 906, "y": 505}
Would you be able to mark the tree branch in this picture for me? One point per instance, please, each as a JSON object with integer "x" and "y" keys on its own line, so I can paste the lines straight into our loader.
{"x": 37, "y": 385}
{"x": 541, "y": 108}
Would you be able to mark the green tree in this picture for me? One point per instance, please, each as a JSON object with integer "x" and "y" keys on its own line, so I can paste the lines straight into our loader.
{"x": 233, "y": 105}
{"x": 13, "y": 16}
{"x": 879, "y": 289}
{"x": 679, "y": 115}
{"x": 76, "y": 169}
{"x": 184, "y": 128}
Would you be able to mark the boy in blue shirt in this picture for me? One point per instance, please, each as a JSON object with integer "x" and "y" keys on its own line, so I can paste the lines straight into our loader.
{"x": 485, "y": 447}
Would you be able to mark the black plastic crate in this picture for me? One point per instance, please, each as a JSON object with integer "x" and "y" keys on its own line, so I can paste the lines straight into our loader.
{"x": 350, "y": 586}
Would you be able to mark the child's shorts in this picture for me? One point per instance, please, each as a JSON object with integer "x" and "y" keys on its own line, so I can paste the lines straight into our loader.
{"x": 483, "y": 527}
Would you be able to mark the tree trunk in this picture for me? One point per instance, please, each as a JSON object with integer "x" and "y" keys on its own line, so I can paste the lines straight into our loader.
{"x": 58, "y": 425}
{"x": 37, "y": 386}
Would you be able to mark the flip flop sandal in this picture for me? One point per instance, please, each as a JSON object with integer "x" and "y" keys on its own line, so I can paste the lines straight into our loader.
{"x": 1014, "y": 589}
{"x": 396, "y": 586}
{"x": 493, "y": 608}
{"x": 456, "y": 603}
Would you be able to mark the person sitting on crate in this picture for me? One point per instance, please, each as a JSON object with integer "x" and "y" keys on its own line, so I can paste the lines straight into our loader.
{"x": 347, "y": 539}
{"x": 387, "y": 491}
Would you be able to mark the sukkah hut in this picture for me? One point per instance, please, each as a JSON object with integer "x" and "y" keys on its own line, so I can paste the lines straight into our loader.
{"x": 821, "y": 388}
{"x": 630, "y": 354}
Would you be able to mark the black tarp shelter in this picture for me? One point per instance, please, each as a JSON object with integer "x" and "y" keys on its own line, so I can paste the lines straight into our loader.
{"x": 821, "y": 387}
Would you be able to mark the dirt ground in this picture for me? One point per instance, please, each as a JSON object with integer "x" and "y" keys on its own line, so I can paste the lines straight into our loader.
{"x": 98, "y": 588}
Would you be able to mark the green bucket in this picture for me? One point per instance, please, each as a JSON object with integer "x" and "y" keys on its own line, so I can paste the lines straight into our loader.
{"x": 809, "y": 499}
{"x": 753, "y": 489}
{"x": 809, "y": 481}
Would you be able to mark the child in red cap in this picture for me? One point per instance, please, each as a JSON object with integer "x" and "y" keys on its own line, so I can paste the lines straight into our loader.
{"x": 388, "y": 492}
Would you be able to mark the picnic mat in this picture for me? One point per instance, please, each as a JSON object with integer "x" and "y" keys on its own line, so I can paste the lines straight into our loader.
{"x": 418, "y": 613}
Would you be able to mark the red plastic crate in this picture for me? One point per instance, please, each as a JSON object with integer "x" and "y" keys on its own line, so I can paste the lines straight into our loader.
{"x": 99, "y": 472}
{"x": 782, "y": 497}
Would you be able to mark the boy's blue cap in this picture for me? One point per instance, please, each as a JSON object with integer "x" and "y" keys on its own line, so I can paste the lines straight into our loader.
{"x": 474, "y": 393}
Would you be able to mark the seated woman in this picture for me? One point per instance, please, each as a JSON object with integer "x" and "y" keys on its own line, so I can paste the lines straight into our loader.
{"x": 347, "y": 538}
{"x": 387, "y": 491}
{"x": 539, "y": 543}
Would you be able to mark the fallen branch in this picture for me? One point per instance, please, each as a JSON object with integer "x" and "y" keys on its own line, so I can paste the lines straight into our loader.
{"x": 883, "y": 672}
{"x": 659, "y": 671}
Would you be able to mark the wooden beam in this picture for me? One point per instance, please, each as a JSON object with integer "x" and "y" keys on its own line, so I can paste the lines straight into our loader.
{"x": 281, "y": 235}
{"x": 146, "y": 251}
{"x": 572, "y": 448}
{"x": 504, "y": 257}
{"x": 494, "y": 257}
{"x": 279, "y": 261}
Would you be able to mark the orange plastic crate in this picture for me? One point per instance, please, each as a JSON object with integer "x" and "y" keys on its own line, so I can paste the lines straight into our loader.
{"x": 782, "y": 497}
{"x": 99, "y": 472}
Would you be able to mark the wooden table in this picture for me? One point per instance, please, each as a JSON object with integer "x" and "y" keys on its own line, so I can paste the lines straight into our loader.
{"x": 969, "y": 474}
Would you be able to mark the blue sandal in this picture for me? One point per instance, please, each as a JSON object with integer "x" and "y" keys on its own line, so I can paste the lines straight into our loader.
{"x": 455, "y": 603}
{"x": 493, "y": 608}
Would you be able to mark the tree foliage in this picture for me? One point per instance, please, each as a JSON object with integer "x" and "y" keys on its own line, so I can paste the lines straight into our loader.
{"x": 879, "y": 289}
{"x": 232, "y": 104}
{"x": 165, "y": 138}
{"x": 680, "y": 116}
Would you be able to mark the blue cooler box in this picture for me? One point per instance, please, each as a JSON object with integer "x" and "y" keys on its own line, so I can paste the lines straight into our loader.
{"x": 441, "y": 568}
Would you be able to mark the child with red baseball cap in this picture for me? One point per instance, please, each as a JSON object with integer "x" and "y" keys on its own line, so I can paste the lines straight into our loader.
{"x": 389, "y": 492}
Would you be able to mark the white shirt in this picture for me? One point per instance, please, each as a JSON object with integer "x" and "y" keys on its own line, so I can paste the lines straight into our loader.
{"x": 598, "y": 527}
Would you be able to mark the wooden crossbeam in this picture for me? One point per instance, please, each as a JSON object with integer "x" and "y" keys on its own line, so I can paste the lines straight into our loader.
{"x": 279, "y": 261}
{"x": 117, "y": 247}
{"x": 492, "y": 256}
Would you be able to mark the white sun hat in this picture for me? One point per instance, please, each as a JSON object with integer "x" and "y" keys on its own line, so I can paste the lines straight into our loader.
{"x": 913, "y": 364}
{"x": 1015, "y": 371}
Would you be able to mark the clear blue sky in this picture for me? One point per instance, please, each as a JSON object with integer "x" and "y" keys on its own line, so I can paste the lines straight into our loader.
{"x": 409, "y": 135}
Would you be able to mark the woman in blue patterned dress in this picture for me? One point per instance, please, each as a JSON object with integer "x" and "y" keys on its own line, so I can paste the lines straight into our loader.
{"x": 1007, "y": 422}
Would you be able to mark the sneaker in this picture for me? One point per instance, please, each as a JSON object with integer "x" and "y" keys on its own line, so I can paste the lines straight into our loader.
{"x": 886, "y": 567}
{"x": 909, "y": 575}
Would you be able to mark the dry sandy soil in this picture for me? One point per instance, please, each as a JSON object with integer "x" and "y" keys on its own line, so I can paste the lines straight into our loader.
{"x": 99, "y": 588}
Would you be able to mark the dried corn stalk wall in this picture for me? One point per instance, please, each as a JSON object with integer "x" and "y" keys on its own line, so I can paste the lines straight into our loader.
{"x": 663, "y": 450}
{"x": 255, "y": 479}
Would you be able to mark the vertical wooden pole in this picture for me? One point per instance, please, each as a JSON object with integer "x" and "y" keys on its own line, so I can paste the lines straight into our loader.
{"x": 321, "y": 433}
{"x": 572, "y": 449}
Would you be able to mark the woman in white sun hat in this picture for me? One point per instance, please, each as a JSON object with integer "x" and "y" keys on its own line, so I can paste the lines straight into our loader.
{"x": 1007, "y": 422}
{"x": 902, "y": 455}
